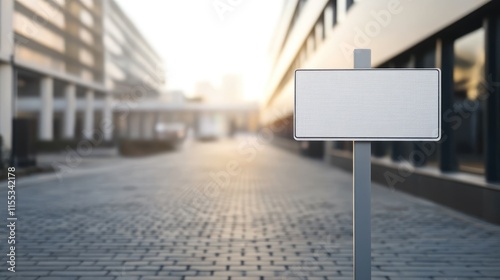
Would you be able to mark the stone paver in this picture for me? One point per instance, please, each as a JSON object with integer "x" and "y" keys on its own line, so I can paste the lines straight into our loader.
{"x": 232, "y": 210}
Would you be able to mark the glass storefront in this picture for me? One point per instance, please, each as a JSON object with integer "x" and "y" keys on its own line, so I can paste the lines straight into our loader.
{"x": 467, "y": 118}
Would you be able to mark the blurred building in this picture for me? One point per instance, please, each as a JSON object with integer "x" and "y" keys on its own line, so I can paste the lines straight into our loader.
{"x": 175, "y": 96}
{"x": 462, "y": 37}
{"x": 206, "y": 91}
{"x": 133, "y": 68}
{"x": 231, "y": 89}
{"x": 65, "y": 63}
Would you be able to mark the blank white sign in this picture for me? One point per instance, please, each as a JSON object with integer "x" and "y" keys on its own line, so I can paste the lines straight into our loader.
{"x": 368, "y": 104}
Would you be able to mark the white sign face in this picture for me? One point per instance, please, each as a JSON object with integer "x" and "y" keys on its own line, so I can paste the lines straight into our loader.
{"x": 368, "y": 105}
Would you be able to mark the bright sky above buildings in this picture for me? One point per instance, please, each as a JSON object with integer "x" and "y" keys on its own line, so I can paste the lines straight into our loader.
{"x": 201, "y": 43}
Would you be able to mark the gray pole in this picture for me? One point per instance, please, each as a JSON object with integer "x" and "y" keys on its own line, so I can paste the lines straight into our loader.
{"x": 361, "y": 203}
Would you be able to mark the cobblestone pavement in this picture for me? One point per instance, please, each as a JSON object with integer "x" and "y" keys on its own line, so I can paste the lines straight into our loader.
{"x": 232, "y": 210}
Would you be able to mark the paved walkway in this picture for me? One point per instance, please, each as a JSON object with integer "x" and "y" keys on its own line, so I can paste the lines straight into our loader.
{"x": 232, "y": 210}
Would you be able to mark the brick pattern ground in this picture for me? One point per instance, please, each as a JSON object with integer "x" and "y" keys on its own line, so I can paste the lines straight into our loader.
{"x": 192, "y": 215}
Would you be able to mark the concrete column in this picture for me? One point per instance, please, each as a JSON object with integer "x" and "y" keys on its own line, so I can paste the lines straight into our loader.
{"x": 123, "y": 119}
{"x": 134, "y": 125}
{"x": 69, "y": 112}
{"x": 448, "y": 161}
{"x": 148, "y": 124}
{"x": 159, "y": 119}
{"x": 46, "y": 130}
{"x": 107, "y": 124}
{"x": 492, "y": 108}
{"x": 6, "y": 73}
{"x": 6, "y": 28}
{"x": 88, "y": 119}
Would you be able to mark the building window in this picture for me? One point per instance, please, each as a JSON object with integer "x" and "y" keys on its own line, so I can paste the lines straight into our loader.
{"x": 296, "y": 14}
{"x": 319, "y": 31}
{"x": 467, "y": 119}
{"x": 87, "y": 75}
{"x": 86, "y": 57}
{"x": 37, "y": 32}
{"x": 112, "y": 46}
{"x": 330, "y": 14}
{"x": 44, "y": 12}
{"x": 301, "y": 5}
{"x": 349, "y": 3}
{"x": 88, "y": 3}
{"x": 86, "y": 36}
{"x": 114, "y": 31}
{"x": 86, "y": 18}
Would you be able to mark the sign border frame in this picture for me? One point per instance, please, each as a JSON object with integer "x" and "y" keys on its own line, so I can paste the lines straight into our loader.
{"x": 399, "y": 139}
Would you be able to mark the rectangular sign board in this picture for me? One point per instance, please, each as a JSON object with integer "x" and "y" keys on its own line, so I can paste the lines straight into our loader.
{"x": 368, "y": 104}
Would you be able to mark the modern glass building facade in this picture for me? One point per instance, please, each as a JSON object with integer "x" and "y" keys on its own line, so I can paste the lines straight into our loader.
{"x": 459, "y": 37}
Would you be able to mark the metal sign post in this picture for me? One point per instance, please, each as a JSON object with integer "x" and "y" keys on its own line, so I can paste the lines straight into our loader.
{"x": 361, "y": 193}
{"x": 364, "y": 105}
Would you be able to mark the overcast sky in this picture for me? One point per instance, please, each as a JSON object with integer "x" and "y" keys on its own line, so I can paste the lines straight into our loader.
{"x": 200, "y": 43}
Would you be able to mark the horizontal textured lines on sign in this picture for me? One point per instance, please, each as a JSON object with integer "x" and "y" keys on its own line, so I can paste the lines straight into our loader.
{"x": 367, "y": 104}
